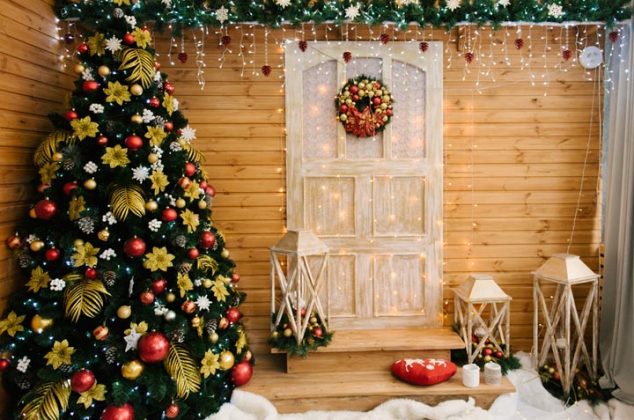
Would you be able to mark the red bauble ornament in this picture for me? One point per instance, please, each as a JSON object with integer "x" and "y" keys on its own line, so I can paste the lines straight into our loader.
{"x": 303, "y": 45}
{"x": 153, "y": 347}
{"x": 193, "y": 253}
{"x": 128, "y": 39}
{"x": 203, "y": 184}
{"x": 101, "y": 333}
{"x": 102, "y": 140}
{"x": 182, "y": 57}
{"x": 4, "y": 365}
{"x": 188, "y": 307}
{"x": 185, "y": 182}
{"x": 147, "y": 297}
{"x": 82, "y": 381}
{"x": 468, "y": 57}
{"x": 190, "y": 169}
{"x": 487, "y": 351}
{"x": 223, "y": 323}
{"x": 241, "y": 373}
{"x": 376, "y": 100}
{"x": 134, "y": 247}
{"x": 343, "y": 108}
{"x": 90, "y": 86}
{"x": 318, "y": 332}
{"x": 154, "y": 102}
{"x": 159, "y": 286}
{"x": 133, "y": 142}
{"x": 69, "y": 187}
{"x": 83, "y": 48}
{"x": 499, "y": 354}
{"x": 266, "y": 70}
{"x": 235, "y": 277}
{"x": 13, "y": 242}
{"x": 113, "y": 412}
{"x": 225, "y": 40}
{"x": 207, "y": 239}
{"x": 423, "y": 46}
{"x": 90, "y": 273}
{"x": 168, "y": 87}
{"x": 233, "y": 315}
{"x": 519, "y": 43}
{"x": 52, "y": 254}
{"x": 355, "y": 98}
{"x": 45, "y": 209}
{"x": 71, "y": 115}
{"x": 172, "y": 411}
{"x": 389, "y": 112}
{"x": 614, "y": 36}
{"x": 210, "y": 191}
{"x": 384, "y": 38}
{"x": 169, "y": 215}
{"x": 566, "y": 54}
{"x": 347, "y": 56}
{"x": 43, "y": 187}
{"x": 168, "y": 126}
{"x": 354, "y": 89}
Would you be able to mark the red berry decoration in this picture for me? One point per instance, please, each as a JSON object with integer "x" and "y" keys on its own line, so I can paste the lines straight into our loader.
{"x": 154, "y": 102}
{"x": 193, "y": 253}
{"x": 423, "y": 46}
{"x": 225, "y": 40}
{"x": 347, "y": 56}
{"x": 133, "y": 142}
{"x": 203, "y": 184}
{"x": 241, "y": 373}
{"x": 566, "y": 54}
{"x": 83, "y": 48}
{"x": 519, "y": 43}
{"x": 207, "y": 239}
{"x": 168, "y": 87}
{"x": 303, "y": 45}
{"x": 52, "y": 254}
{"x": 69, "y": 187}
{"x": 172, "y": 411}
{"x": 128, "y": 39}
{"x": 113, "y": 412}
{"x": 82, "y": 381}
{"x": 134, "y": 247}
{"x": 4, "y": 365}
{"x": 90, "y": 273}
{"x": 169, "y": 215}
{"x": 71, "y": 115}
{"x": 182, "y": 57}
{"x": 45, "y": 209}
{"x": 159, "y": 286}
{"x": 468, "y": 57}
{"x": 101, "y": 333}
{"x": 614, "y": 36}
{"x": 384, "y": 38}
{"x": 147, "y": 298}
{"x": 235, "y": 277}
{"x": 190, "y": 169}
{"x": 266, "y": 70}
{"x": 233, "y": 315}
{"x": 102, "y": 141}
{"x": 153, "y": 347}
{"x": 90, "y": 86}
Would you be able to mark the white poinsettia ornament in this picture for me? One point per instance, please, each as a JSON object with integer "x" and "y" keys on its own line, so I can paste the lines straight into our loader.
{"x": 113, "y": 44}
{"x": 283, "y": 3}
{"x": 504, "y": 3}
{"x": 352, "y": 12}
{"x": 453, "y": 5}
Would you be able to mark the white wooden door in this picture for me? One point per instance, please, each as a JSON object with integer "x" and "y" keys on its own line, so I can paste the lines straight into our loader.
{"x": 376, "y": 202}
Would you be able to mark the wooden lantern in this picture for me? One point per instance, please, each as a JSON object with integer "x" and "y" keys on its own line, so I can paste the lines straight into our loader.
{"x": 563, "y": 339}
{"x": 472, "y": 299}
{"x": 299, "y": 284}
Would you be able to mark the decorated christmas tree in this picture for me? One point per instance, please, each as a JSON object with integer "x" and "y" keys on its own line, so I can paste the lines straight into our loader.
{"x": 130, "y": 309}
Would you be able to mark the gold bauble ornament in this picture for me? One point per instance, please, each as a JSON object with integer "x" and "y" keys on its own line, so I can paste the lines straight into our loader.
{"x": 136, "y": 118}
{"x": 124, "y": 312}
{"x": 214, "y": 337}
{"x": 57, "y": 157}
{"x": 225, "y": 253}
{"x": 39, "y": 324}
{"x": 151, "y": 205}
{"x": 132, "y": 369}
{"x": 103, "y": 71}
{"x": 180, "y": 203}
{"x": 79, "y": 68}
{"x": 288, "y": 332}
{"x": 152, "y": 158}
{"x": 313, "y": 320}
{"x": 36, "y": 246}
{"x": 195, "y": 322}
{"x": 32, "y": 214}
{"x": 207, "y": 283}
{"x": 202, "y": 204}
{"x": 226, "y": 360}
{"x": 170, "y": 297}
{"x": 136, "y": 89}
{"x": 90, "y": 184}
{"x": 78, "y": 242}
{"x": 103, "y": 235}
{"x": 275, "y": 335}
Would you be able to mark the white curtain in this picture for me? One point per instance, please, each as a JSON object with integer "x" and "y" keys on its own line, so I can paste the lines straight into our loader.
{"x": 617, "y": 312}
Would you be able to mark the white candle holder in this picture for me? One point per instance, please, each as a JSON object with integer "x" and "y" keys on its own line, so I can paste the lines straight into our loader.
{"x": 471, "y": 375}
{"x": 492, "y": 373}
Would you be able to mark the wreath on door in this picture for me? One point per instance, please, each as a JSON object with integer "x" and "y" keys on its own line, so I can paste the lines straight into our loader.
{"x": 364, "y": 106}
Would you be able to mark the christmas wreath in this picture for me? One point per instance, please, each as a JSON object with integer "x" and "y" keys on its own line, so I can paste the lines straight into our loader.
{"x": 364, "y": 106}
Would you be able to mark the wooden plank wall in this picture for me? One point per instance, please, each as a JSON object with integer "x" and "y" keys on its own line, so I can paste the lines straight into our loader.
{"x": 32, "y": 84}
{"x": 513, "y": 163}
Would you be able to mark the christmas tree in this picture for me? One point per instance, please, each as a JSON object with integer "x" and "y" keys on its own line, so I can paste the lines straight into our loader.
{"x": 130, "y": 309}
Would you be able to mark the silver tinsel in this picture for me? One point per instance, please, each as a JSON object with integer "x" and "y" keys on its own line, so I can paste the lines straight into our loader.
{"x": 111, "y": 355}
{"x": 211, "y": 326}
{"x": 180, "y": 241}
{"x": 86, "y": 224}
{"x": 109, "y": 277}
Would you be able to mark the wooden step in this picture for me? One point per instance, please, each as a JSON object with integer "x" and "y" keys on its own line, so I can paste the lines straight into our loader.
{"x": 361, "y": 391}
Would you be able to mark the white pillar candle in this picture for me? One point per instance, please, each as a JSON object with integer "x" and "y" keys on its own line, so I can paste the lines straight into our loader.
{"x": 471, "y": 375}
{"x": 492, "y": 373}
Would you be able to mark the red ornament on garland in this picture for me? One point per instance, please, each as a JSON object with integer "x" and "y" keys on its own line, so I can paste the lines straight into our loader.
{"x": 133, "y": 142}
{"x": 45, "y": 209}
{"x": 188, "y": 307}
{"x": 566, "y": 54}
{"x": 90, "y": 273}
{"x": 52, "y": 254}
{"x": 172, "y": 411}
{"x": 384, "y": 38}
{"x": 154, "y": 102}
{"x": 113, "y": 412}
{"x": 147, "y": 297}
{"x": 159, "y": 286}
{"x": 347, "y": 56}
{"x": 207, "y": 239}
{"x": 102, "y": 141}
{"x": 318, "y": 332}
{"x": 182, "y": 57}
{"x": 519, "y": 43}
{"x": 614, "y": 36}
{"x": 82, "y": 380}
{"x": 193, "y": 253}
{"x": 90, "y": 86}
{"x": 153, "y": 347}
{"x": 266, "y": 70}
{"x": 134, "y": 247}
{"x": 101, "y": 333}
{"x": 168, "y": 126}
{"x": 71, "y": 115}
{"x": 225, "y": 40}
{"x": 83, "y": 48}
{"x": 168, "y": 87}
{"x": 423, "y": 46}
{"x": 241, "y": 373}
{"x": 235, "y": 277}
{"x": 13, "y": 242}
{"x": 303, "y": 45}
{"x": 233, "y": 315}
{"x": 190, "y": 169}
{"x": 210, "y": 191}
{"x": 468, "y": 57}
{"x": 169, "y": 215}
{"x": 4, "y": 365}
{"x": 69, "y": 187}
{"x": 128, "y": 39}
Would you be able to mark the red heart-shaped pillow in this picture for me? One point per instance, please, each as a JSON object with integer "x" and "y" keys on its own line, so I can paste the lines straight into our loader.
{"x": 423, "y": 371}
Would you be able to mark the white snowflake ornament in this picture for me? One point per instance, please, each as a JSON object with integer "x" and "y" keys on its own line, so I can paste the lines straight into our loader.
{"x": 352, "y": 12}
{"x": 452, "y": 5}
{"x": 96, "y": 108}
{"x": 504, "y": 3}
{"x": 555, "y": 11}
{"x": 188, "y": 134}
{"x": 222, "y": 14}
{"x": 203, "y": 303}
{"x": 140, "y": 173}
{"x": 113, "y": 44}
{"x": 283, "y": 3}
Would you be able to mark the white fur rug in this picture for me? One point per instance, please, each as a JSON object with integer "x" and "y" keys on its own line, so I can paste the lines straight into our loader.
{"x": 531, "y": 401}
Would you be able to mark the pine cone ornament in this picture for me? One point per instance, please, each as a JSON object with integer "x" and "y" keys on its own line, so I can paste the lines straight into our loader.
{"x": 423, "y": 46}
{"x": 180, "y": 241}
{"x": 109, "y": 277}
{"x": 225, "y": 40}
{"x": 303, "y": 45}
{"x": 24, "y": 260}
{"x": 519, "y": 43}
{"x": 86, "y": 224}
{"x": 211, "y": 326}
{"x": 23, "y": 381}
{"x": 184, "y": 268}
{"x": 177, "y": 335}
{"x": 111, "y": 355}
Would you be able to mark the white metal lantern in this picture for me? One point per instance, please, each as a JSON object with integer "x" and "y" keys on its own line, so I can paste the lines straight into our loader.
{"x": 473, "y": 299}
{"x": 299, "y": 284}
{"x": 563, "y": 339}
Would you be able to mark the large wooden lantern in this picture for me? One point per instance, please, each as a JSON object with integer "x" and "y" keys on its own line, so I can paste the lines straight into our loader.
{"x": 306, "y": 259}
{"x": 563, "y": 338}
{"x": 476, "y": 298}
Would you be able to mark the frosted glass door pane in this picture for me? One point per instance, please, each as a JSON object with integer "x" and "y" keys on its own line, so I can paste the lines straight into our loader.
{"x": 320, "y": 125}
{"x": 408, "y": 124}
